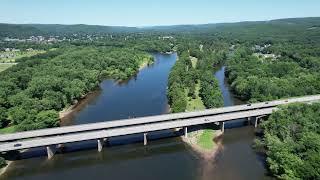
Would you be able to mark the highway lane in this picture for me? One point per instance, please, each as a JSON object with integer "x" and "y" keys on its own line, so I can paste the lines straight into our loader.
{"x": 121, "y": 131}
{"x": 151, "y": 119}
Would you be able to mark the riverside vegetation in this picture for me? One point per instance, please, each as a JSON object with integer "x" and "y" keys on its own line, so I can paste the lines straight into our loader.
{"x": 291, "y": 140}
{"x": 264, "y": 61}
{"x": 192, "y": 86}
{"x": 34, "y": 91}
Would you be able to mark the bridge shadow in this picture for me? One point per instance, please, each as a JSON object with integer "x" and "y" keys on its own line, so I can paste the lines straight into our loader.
{"x": 120, "y": 141}
{"x": 85, "y": 159}
{"x": 92, "y": 144}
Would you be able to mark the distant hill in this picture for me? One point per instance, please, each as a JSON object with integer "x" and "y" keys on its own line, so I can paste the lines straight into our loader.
{"x": 26, "y": 30}
{"x": 12, "y": 30}
{"x": 80, "y": 28}
{"x": 267, "y": 27}
{"x": 291, "y": 22}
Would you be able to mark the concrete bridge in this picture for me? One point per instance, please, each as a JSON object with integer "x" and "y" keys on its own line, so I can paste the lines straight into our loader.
{"x": 50, "y": 138}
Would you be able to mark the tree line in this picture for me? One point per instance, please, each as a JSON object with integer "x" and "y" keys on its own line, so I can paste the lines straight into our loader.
{"x": 256, "y": 79}
{"x": 292, "y": 141}
{"x": 34, "y": 91}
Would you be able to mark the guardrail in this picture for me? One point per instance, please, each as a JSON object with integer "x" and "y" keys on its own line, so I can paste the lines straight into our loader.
{"x": 150, "y": 119}
{"x": 62, "y": 135}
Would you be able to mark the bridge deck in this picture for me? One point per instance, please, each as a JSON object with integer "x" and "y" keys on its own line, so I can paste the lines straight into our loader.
{"x": 121, "y": 131}
{"x": 151, "y": 119}
{"x": 54, "y": 136}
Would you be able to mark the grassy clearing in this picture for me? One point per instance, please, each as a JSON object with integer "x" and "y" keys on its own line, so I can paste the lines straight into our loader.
{"x": 5, "y": 66}
{"x": 8, "y": 130}
{"x": 195, "y": 104}
{"x": 20, "y": 54}
{"x": 205, "y": 140}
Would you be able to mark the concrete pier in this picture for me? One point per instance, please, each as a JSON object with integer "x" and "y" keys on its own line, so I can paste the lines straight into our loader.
{"x": 256, "y": 122}
{"x": 100, "y": 144}
{"x": 186, "y": 132}
{"x": 222, "y": 126}
{"x": 249, "y": 120}
{"x": 50, "y": 151}
{"x": 145, "y": 141}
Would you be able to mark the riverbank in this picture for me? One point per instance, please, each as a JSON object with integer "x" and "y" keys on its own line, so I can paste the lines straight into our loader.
{"x": 76, "y": 106}
{"x": 79, "y": 104}
{"x": 4, "y": 169}
{"x": 9, "y": 163}
{"x": 206, "y": 142}
{"x": 146, "y": 63}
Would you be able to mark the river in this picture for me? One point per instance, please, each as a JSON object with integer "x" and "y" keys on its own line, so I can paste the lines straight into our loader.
{"x": 165, "y": 158}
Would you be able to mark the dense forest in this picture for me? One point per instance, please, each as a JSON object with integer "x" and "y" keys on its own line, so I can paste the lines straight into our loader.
{"x": 34, "y": 91}
{"x": 186, "y": 74}
{"x": 275, "y": 59}
{"x": 292, "y": 141}
{"x": 261, "y": 79}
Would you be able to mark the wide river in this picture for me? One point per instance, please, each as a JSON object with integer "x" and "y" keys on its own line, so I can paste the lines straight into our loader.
{"x": 165, "y": 158}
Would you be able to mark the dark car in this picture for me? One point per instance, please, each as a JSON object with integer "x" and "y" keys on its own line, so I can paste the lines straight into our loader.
{"x": 17, "y": 145}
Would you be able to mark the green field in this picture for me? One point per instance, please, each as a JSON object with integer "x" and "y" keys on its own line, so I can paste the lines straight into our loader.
{"x": 205, "y": 140}
{"x": 5, "y": 66}
{"x": 8, "y": 130}
{"x": 19, "y": 54}
{"x": 195, "y": 104}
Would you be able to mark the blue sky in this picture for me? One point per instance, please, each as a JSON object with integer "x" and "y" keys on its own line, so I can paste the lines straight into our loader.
{"x": 148, "y": 13}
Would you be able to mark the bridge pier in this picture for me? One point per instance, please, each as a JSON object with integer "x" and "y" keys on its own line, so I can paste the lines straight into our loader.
{"x": 222, "y": 126}
{"x": 257, "y": 119}
{"x": 100, "y": 144}
{"x": 145, "y": 141}
{"x": 186, "y": 132}
{"x": 256, "y": 122}
{"x": 249, "y": 120}
{"x": 50, "y": 151}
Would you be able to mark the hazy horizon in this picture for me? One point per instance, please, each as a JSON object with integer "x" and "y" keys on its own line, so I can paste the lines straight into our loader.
{"x": 144, "y": 13}
{"x": 148, "y": 26}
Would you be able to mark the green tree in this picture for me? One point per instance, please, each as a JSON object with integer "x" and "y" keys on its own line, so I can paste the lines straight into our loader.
{"x": 2, "y": 162}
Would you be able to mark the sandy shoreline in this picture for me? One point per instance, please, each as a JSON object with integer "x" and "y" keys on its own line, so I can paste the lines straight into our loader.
{"x": 203, "y": 153}
{"x": 4, "y": 169}
{"x": 76, "y": 106}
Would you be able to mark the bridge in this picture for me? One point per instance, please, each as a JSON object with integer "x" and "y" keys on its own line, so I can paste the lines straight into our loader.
{"x": 52, "y": 137}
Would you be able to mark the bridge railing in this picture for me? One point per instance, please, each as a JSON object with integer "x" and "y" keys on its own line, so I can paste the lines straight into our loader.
{"x": 122, "y": 131}
{"x": 151, "y": 119}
